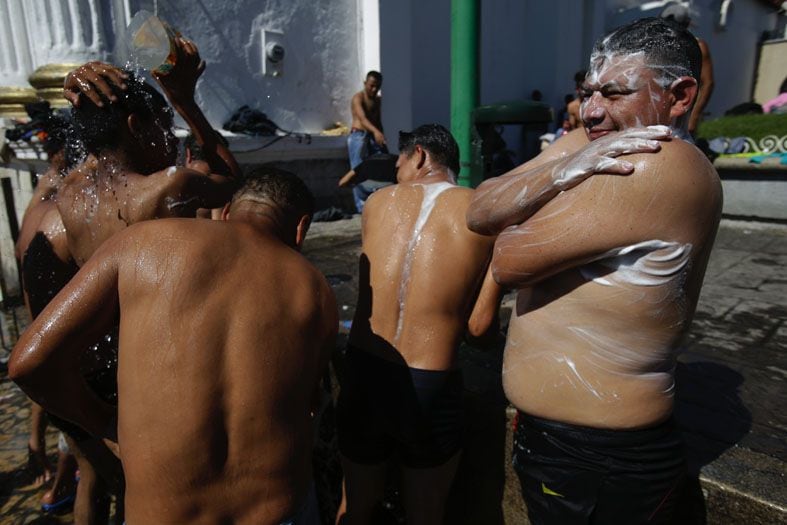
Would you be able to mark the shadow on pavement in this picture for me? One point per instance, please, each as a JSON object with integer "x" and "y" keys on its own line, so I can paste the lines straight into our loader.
{"x": 713, "y": 418}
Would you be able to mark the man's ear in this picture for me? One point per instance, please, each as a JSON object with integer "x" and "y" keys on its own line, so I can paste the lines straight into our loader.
{"x": 683, "y": 93}
{"x": 134, "y": 125}
{"x": 301, "y": 230}
{"x": 421, "y": 158}
{"x": 225, "y": 212}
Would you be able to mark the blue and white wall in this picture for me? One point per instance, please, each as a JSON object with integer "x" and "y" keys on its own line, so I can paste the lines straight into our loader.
{"x": 532, "y": 44}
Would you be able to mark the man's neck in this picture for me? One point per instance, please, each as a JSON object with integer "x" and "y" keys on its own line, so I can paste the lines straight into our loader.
{"x": 265, "y": 220}
{"x": 430, "y": 174}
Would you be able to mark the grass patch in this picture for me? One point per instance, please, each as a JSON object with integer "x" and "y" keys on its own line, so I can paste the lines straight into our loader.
{"x": 754, "y": 126}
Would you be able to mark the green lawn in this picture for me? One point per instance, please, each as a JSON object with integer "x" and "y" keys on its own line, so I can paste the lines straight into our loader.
{"x": 754, "y": 126}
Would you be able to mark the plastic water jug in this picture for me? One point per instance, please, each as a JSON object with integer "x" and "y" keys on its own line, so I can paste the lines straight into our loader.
{"x": 150, "y": 43}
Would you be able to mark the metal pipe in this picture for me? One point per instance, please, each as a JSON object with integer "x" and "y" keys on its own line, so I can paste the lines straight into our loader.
{"x": 464, "y": 82}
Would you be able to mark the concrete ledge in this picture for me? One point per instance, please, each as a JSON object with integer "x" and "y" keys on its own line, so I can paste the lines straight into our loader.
{"x": 753, "y": 190}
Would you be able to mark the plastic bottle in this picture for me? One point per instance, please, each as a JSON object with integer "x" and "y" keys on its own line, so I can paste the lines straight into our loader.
{"x": 150, "y": 43}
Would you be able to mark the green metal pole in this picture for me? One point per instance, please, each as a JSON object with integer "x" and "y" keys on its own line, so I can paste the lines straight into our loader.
{"x": 464, "y": 82}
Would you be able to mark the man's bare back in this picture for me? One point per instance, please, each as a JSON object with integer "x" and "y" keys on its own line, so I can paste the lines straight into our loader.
{"x": 218, "y": 366}
{"x": 234, "y": 378}
{"x": 425, "y": 270}
{"x": 423, "y": 284}
{"x": 98, "y": 200}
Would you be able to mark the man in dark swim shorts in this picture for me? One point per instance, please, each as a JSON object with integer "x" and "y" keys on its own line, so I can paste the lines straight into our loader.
{"x": 609, "y": 256}
{"x": 401, "y": 394}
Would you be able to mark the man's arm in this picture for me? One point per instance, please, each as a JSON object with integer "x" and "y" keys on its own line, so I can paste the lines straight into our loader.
{"x": 179, "y": 85}
{"x": 98, "y": 81}
{"x": 662, "y": 200}
{"x": 360, "y": 113}
{"x": 512, "y": 198}
{"x": 45, "y": 360}
{"x": 180, "y": 192}
{"x": 706, "y": 87}
{"x": 484, "y": 322}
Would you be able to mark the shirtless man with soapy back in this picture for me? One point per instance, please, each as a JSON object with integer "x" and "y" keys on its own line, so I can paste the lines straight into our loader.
{"x": 608, "y": 255}
{"x": 423, "y": 284}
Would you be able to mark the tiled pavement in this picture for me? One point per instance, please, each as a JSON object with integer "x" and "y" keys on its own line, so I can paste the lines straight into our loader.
{"x": 731, "y": 389}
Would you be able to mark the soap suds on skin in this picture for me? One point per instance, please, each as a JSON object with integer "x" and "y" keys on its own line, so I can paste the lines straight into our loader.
{"x": 431, "y": 192}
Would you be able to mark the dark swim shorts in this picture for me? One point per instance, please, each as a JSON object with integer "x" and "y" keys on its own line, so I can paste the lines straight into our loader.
{"x": 579, "y": 475}
{"x": 388, "y": 410}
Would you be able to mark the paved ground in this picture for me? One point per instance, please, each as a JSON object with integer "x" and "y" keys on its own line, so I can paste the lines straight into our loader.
{"x": 731, "y": 391}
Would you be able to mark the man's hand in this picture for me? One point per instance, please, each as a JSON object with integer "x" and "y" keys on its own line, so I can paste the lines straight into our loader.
{"x": 379, "y": 138}
{"x": 94, "y": 80}
{"x": 179, "y": 84}
{"x": 600, "y": 156}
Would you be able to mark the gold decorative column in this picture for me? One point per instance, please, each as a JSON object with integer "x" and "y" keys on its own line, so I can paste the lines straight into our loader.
{"x": 13, "y": 100}
{"x": 48, "y": 82}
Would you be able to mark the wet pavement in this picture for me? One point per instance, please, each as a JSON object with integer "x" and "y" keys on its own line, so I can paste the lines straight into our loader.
{"x": 731, "y": 392}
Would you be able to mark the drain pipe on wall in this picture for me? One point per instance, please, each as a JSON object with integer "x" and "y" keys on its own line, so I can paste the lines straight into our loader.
{"x": 464, "y": 81}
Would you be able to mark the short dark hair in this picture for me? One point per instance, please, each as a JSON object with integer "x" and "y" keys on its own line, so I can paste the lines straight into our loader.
{"x": 99, "y": 127}
{"x": 668, "y": 47}
{"x": 375, "y": 75}
{"x": 278, "y": 187}
{"x": 435, "y": 139}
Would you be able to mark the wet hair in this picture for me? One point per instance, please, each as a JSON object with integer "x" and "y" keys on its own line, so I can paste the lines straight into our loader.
{"x": 268, "y": 184}
{"x": 435, "y": 139}
{"x": 375, "y": 75}
{"x": 668, "y": 47}
{"x": 99, "y": 127}
{"x": 536, "y": 95}
{"x": 58, "y": 129}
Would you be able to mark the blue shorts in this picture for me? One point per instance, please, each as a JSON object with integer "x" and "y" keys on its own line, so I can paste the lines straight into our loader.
{"x": 361, "y": 144}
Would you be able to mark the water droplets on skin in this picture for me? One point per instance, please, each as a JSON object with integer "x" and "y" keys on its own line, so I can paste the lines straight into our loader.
{"x": 430, "y": 194}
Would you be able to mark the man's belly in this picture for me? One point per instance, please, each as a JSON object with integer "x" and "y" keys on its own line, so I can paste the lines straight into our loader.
{"x": 592, "y": 357}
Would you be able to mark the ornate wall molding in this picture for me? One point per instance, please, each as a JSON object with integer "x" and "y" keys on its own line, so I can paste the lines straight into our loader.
{"x": 769, "y": 144}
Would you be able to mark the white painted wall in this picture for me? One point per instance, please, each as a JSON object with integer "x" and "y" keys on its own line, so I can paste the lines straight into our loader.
{"x": 321, "y": 69}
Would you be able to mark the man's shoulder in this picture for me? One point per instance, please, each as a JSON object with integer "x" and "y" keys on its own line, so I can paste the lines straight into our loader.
{"x": 679, "y": 171}
{"x": 677, "y": 157}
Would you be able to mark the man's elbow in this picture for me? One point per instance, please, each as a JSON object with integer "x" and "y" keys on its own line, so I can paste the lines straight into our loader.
{"x": 479, "y": 325}
{"x": 478, "y": 222}
{"x": 20, "y": 367}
